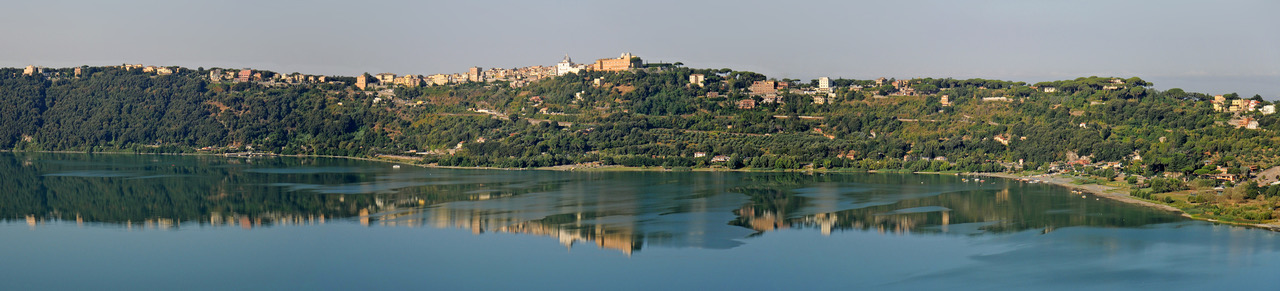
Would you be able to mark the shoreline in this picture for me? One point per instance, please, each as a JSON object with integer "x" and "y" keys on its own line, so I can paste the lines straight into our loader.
{"x": 406, "y": 160}
{"x": 1097, "y": 190}
{"x": 1106, "y": 192}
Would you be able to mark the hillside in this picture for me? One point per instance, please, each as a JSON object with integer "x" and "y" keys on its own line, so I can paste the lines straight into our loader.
{"x": 650, "y": 117}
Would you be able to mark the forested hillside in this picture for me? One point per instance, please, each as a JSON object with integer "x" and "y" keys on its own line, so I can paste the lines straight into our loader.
{"x": 650, "y": 117}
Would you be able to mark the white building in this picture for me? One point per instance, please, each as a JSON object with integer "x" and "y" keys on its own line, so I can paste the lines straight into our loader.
{"x": 1268, "y": 110}
{"x": 567, "y": 66}
{"x": 697, "y": 79}
{"x": 824, "y": 83}
{"x": 215, "y": 75}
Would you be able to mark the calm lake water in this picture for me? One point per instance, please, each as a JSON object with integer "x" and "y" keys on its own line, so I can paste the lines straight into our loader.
{"x": 92, "y": 222}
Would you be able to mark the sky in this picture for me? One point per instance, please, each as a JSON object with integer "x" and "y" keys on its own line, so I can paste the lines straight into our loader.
{"x": 1212, "y": 47}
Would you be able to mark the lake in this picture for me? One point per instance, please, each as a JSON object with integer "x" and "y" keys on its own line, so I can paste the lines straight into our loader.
{"x": 110, "y": 221}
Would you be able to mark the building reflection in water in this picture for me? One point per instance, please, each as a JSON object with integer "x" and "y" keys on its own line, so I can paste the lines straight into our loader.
{"x": 628, "y": 221}
{"x": 569, "y": 229}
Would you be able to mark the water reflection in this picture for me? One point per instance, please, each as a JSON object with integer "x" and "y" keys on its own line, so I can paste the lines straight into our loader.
{"x": 626, "y": 212}
{"x": 618, "y": 211}
{"x": 166, "y": 192}
{"x": 965, "y": 211}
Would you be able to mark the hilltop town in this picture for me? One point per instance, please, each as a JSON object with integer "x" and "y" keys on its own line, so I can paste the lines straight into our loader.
{"x": 766, "y": 91}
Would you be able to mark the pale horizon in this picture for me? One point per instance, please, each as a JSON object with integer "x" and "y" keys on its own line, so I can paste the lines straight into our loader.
{"x": 1209, "y": 47}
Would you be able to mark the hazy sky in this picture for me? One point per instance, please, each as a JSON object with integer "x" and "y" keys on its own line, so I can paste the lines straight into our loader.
{"x": 1204, "y": 46}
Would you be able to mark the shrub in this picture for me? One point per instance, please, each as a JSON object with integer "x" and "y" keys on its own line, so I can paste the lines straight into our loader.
{"x": 1160, "y": 185}
{"x": 1140, "y": 194}
{"x": 1203, "y": 183}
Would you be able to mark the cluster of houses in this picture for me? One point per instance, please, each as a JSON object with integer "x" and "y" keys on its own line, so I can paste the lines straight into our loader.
{"x": 39, "y": 71}
{"x": 1240, "y": 106}
{"x": 250, "y": 75}
{"x": 902, "y": 87}
{"x": 77, "y": 71}
{"x": 158, "y": 70}
{"x": 517, "y": 77}
{"x": 1116, "y": 84}
{"x": 769, "y": 90}
{"x": 1221, "y": 104}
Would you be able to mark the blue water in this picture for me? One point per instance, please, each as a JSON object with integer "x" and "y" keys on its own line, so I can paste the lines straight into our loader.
{"x": 215, "y": 223}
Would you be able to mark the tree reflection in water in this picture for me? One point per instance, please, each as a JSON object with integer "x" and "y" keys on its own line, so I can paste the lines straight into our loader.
{"x": 620, "y": 211}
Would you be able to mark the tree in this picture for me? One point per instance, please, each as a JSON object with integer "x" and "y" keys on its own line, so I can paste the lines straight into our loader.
{"x": 743, "y": 79}
{"x": 735, "y": 162}
{"x": 924, "y": 88}
{"x": 1137, "y": 82}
